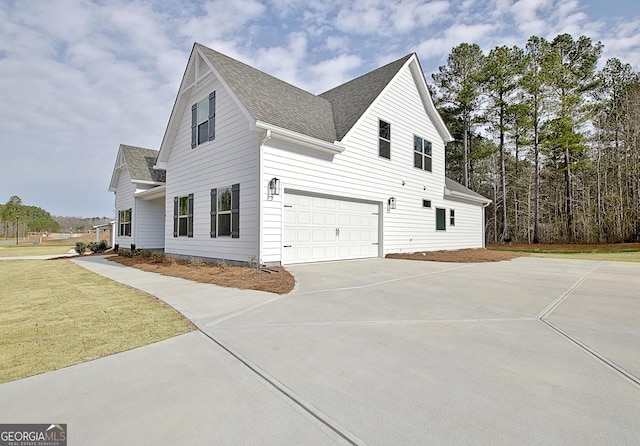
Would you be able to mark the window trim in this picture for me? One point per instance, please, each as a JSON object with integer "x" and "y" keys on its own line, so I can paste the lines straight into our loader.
{"x": 124, "y": 226}
{"x": 382, "y": 139}
{"x": 424, "y": 156}
{"x": 441, "y": 217}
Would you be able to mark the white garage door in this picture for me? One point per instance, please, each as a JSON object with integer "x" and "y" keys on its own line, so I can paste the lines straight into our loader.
{"x": 319, "y": 229}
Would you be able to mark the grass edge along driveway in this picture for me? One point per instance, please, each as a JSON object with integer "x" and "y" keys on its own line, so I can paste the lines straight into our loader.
{"x": 54, "y": 314}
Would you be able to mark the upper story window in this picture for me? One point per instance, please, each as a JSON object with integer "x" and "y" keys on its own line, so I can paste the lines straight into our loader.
{"x": 385, "y": 139}
{"x": 421, "y": 153}
{"x": 203, "y": 120}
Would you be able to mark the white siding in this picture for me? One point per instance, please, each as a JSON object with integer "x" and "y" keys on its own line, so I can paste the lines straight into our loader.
{"x": 124, "y": 200}
{"x": 231, "y": 158}
{"x": 149, "y": 223}
{"x": 360, "y": 173}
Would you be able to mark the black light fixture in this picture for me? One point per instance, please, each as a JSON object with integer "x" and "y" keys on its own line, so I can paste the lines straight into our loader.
{"x": 392, "y": 203}
{"x": 274, "y": 186}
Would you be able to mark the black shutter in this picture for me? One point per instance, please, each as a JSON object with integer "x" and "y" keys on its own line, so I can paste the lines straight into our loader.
{"x": 175, "y": 216}
{"x": 194, "y": 125}
{"x": 235, "y": 211}
{"x": 212, "y": 116}
{"x": 214, "y": 211}
{"x": 190, "y": 217}
{"x": 128, "y": 228}
{"x": 119, "y": 223}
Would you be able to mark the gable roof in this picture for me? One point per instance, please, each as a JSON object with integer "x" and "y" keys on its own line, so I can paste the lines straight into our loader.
{"x": 317, "y": 121}
{"x": 274, "y": 101}
{"x": 352, "y": 99}
{"x": 139, "y": 163}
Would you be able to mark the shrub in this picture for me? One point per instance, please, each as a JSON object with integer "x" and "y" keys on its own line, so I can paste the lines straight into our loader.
{"x": 98, "y": 247}
{"x": 222, "y": 265}
{"x": 127, "y": 254}
{"x": 145, "y": 253}
{"x": 80, "y": 247}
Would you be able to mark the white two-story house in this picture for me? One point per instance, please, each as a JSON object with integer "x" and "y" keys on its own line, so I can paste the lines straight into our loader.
{"x": 257, "y": 169}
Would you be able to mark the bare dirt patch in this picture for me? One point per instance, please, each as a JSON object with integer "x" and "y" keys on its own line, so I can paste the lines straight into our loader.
{"x": 459, "y": 256}
{"x": 273, "y": 279}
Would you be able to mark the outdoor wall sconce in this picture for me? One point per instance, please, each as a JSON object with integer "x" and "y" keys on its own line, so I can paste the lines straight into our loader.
{"x": 274, "y": 186}
{"x": 391, "y": 203}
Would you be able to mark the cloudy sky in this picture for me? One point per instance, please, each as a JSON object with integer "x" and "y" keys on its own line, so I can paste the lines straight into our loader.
{"x": 80, "y": 77}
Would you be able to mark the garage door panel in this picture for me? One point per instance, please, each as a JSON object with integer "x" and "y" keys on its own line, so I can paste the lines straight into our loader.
{"x": 321, "y": 228}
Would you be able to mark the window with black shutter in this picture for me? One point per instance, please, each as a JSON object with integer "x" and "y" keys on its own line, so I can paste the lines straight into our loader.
{"x": 203, "y": 120}
{"x": 183, "y": 216}
{"x": 225, "y": 211}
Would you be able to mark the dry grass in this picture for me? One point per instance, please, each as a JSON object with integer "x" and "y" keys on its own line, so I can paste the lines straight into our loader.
{"x": 56, "y": 314}
{"x": 275, "y": 280}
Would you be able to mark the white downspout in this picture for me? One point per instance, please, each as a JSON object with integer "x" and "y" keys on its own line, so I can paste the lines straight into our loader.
{"x": 484, "y": 224}
{"x": 263, "y": 140}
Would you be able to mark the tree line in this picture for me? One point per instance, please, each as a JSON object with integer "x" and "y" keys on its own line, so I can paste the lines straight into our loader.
{"x": 18, "y": 219}
{"x": 549, "y": 137}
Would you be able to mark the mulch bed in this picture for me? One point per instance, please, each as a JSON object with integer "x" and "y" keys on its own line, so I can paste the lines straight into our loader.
{"x": 273, "y": 280}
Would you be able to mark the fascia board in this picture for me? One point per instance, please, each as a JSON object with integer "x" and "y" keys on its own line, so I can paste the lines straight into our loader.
{"x": 310, "y": 142}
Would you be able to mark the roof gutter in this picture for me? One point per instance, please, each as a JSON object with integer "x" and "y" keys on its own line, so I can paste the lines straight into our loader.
{"x": 310, "y": 142}
{"x": 448, "y": 193}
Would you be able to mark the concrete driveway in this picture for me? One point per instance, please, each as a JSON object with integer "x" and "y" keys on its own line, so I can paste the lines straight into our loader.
{"x": 380, "y": 352}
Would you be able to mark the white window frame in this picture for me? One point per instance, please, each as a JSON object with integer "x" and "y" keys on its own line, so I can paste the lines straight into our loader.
{"x": 382, "y": 139}
{"x": 123, "y": 223}
{"x": 425, "y": 153}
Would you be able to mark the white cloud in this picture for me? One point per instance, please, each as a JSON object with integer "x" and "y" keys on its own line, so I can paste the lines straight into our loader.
{"x": 409, "y": 14}
{"x": 361, "y": 17}
{"x": 222, "y": 18}
{"x": 332, "y": 72}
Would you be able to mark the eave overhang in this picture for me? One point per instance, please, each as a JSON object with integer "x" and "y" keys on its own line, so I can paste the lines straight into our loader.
{"x": 309, "y": 142}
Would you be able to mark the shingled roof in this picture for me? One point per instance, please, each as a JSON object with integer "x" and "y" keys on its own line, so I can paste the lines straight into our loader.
{"x": 140, "y": 162}
{"x": 352, "y": 99}
{"x": 274, "y": 101}
{"x": 460, "y": 190}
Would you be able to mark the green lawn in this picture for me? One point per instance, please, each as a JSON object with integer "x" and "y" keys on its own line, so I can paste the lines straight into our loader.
{"x": 55, "y": 314}
{"x": 7, "y": 250}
